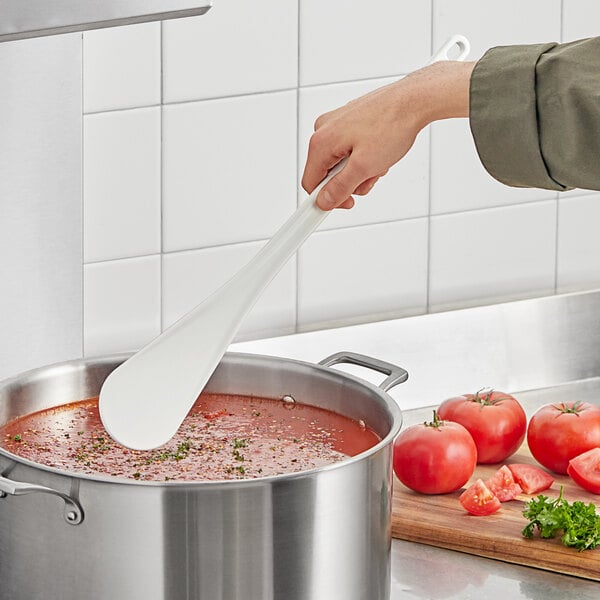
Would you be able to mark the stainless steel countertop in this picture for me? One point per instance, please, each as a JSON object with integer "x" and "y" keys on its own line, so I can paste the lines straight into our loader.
{"x": 428, "y": 573}
{"x": 547, "y": 347}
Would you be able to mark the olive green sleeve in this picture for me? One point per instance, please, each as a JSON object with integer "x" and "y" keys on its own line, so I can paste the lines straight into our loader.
{"x": 535, "y": 114}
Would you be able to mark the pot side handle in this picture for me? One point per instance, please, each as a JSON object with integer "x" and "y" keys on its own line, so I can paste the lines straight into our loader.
{"x": 395, "y": 374}
{"x": 73, "y": 512}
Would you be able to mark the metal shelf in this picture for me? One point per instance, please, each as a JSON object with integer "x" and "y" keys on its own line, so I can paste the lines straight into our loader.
{"x": 20, "y": 19}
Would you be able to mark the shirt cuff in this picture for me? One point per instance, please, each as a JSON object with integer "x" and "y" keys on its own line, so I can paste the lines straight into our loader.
{"x": 503, "y": 116}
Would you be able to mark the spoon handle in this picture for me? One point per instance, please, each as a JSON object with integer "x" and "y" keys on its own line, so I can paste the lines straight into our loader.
{"x": 262, "y": 268}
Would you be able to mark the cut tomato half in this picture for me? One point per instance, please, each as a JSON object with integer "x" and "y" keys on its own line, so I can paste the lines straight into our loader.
{"x": 585, "y": 470}
{"x": 479, "y": 500}
{"x": 503, "y": 485}
{"x": 531, "y": 478}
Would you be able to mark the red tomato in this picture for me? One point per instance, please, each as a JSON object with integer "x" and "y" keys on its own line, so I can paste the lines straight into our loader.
{"x": 559, "y": 432}
{"x": 531, "y": 478}
{"x": 503, "y": 485}
{"x": 585, "y": 470}
{"x": 496, "y": 421}
{"x": 479, "y": 500}
{"x": 434, "y": 458}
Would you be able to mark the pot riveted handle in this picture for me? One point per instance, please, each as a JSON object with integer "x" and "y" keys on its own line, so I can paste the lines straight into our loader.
{"x": 73, "y": 512}
{"x": 395, "y": 374}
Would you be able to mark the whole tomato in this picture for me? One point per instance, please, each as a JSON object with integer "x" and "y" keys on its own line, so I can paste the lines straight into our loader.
{"x": 496, "y": 421}
{"x": 434, "y": 458}
{"x": 559, "y": 432}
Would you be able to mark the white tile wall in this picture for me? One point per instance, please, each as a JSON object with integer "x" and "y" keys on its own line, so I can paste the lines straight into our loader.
{"x": 236, "y": 48}
{"x": 190, "y": 277}
{"x": 343, "y": 40}
{"x": 121, "y": 67}
{"x": 489, "y": 23}
{"x": 491, "y": 255}
{"x": 121, "y": 304}
{"x": 357, "y": 274}
{"x": 229, "y": 169}
{"x": 578, "y": 243}
{"x": 121, "y": 184}
{"x": 580, "y": 19}
{"x": 178, "y": 197}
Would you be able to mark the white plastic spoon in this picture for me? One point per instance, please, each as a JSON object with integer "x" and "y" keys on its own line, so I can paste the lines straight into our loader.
{"x": 144, "y": 401}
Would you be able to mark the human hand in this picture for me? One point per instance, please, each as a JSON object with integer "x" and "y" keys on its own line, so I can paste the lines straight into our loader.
{"x": 375, "y": 131}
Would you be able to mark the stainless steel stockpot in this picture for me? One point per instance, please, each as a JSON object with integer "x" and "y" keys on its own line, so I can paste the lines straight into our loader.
{"x": 323, "y": 534}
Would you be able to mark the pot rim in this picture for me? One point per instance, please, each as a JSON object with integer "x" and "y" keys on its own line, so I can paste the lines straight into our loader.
{"x": 391, "y": 407}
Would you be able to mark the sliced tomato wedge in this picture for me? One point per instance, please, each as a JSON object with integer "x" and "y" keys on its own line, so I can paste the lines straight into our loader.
{"x": 531, "y": 478}
{"x": 503, "y": 485}
{"x": 585, "y": 470}
{"x": 479, "y": 500}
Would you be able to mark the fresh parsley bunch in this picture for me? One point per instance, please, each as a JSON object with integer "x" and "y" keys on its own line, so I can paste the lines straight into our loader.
{"x": 578, "y": 522}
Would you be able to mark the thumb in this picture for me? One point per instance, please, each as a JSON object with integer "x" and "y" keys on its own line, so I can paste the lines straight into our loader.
{"x": 342, "y": 185}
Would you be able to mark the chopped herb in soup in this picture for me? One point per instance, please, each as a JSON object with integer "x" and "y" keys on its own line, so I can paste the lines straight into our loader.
{"x": 223, "y": 437}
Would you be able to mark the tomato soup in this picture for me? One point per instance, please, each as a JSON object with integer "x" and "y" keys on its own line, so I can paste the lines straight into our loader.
{"x": 223, "y": 437}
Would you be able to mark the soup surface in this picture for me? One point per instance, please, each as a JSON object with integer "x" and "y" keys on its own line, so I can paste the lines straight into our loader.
{"x": 223, "y": 437}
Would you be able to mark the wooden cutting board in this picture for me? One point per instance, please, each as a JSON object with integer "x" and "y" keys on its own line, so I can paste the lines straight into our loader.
{"x": 442, "y": 521}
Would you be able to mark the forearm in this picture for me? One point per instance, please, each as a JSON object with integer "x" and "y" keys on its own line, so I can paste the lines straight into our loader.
{"x": 442, "y": 90}
{"x": 376, "y": 130}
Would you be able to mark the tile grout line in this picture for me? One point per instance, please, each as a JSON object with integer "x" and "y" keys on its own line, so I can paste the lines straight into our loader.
{"x": 556, "y": 241}
{"x": 82, "y": 175}
{"x": 298, "y": 87}
{"x": 120, "y": 109}
{"x": 345, "y": 228}
{"x": 325, "y": 231}
{"x": 161, "y": 183}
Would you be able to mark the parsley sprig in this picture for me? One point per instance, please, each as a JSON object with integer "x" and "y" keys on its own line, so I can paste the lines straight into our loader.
{"x": 577, "y": 521}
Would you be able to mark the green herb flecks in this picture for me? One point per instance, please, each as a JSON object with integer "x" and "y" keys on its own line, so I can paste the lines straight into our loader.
{"x": 239, "y": 443}
{"x": 100, "y": 444}
{"x": 183, "y": 449}
{"x": 577, "y": 522}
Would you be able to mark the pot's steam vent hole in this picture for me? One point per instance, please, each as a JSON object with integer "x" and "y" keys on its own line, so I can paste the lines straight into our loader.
{"x": 223, "y": 437}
